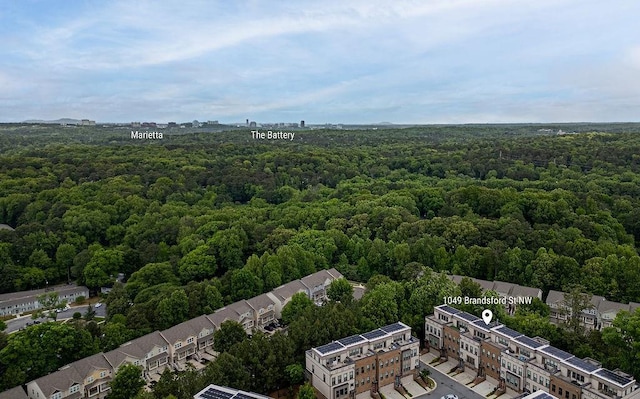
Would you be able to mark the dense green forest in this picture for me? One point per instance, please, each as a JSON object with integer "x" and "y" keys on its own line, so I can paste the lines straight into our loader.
{"x": 201, "y": 219}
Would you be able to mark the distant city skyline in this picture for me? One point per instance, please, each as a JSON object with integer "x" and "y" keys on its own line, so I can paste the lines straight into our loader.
{"x": 355, "y": 62}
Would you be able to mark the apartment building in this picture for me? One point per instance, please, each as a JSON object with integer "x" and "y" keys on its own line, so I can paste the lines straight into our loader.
{"x": 172, "y": 348}
{"x": 16, "y": 303}
{"x": 363, "y": 362}
{"x": 521, "y": 363}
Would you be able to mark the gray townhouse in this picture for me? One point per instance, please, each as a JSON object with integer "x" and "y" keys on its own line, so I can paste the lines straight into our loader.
{"x": 317, "y": 284}
{"x": 16, "y": 303}
{"x": 264, "y": 310}
{"x": 189, "y": 340}
{"x": 283, "y": 294}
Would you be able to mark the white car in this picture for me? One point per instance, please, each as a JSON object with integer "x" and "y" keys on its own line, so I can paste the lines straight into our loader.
{"x": 449, "y": 396}
{"x": 100, "y": 304}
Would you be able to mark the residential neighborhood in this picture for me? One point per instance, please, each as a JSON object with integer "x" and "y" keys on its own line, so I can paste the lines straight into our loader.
{"x": 188, "y": 342}
{"x": 515, "y": 363}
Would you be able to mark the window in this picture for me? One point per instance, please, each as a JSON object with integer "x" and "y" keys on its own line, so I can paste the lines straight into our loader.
{"x": 89, "y": 379}
{"x": 559, "y": 391}
{"x": 190, "y": 340}
{"x": 103, "y": 374}
{"x": 553, "y": 387}
{"x": 177, "y": 345}
{"x": 74, "y": 388}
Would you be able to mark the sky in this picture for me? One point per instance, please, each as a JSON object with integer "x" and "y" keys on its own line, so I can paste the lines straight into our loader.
{"x": 330, "y": 61}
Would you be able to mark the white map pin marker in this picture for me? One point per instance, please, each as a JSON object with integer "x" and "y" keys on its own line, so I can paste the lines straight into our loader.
{"x": 487, "y": 315}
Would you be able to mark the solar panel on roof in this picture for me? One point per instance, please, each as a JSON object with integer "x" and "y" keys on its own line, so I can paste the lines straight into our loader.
{"x": 374, "y": 334}
{"x": 509, "y": 332}
{"x": 481, "y": 324}
{"x": 330, "y": 347}
{"x": 213, "y": 393}
{"x": 611, "y": 376}
{"x": 586, "y": 366}
{"x": 467, "y": 316}
{"x": 560, "y": 354}
{"x": 530, "y": 342}
{"x": 449, "y": 309}
{"x": 241, "y": 395}
{"x": 392, "y": 327}
{"x": 351, "y": 340}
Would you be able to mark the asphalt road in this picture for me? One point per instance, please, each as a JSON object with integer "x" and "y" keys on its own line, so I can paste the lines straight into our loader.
{"x": 447, "y": 385}
{"x": 16, "y": 324}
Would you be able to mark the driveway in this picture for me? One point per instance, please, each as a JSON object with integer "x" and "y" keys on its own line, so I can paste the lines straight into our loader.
{"x": 456, "y": 384}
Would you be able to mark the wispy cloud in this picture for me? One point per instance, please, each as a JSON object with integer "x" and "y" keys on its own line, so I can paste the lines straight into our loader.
{"x": 356, "y": 61}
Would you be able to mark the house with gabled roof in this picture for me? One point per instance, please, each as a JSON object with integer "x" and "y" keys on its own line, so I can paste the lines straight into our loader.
{"x": 65, "y": 383}
{"x": 240, "y": 312}
{"x": 14, "y": 393}
{"x": 96, "y": 373}
{"x": 283, "y": 294}
{"x": 245, "y": 314}
{"x": 264, "y": 310}
{"x": 150, "y": 352}
{"x": 318, "y": 282}
{"x": 189, "y": 339}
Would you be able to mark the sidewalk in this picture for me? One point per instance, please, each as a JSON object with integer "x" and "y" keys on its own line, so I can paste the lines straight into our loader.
{"x": 409, "y": 384}
{"x": 464, "y": 378}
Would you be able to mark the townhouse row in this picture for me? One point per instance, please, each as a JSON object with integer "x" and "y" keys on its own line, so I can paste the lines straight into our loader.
{"x": 363, "y": 362}
{"x": 519, "y": 362}
{"x": 173, "y": 348}
{"x": 598, "y": 315}
{"x": 16, "y": 303}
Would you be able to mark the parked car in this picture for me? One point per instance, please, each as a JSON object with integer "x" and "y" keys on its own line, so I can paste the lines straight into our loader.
{"x": 98, "y": 305}
{"x": 449, "y": 396}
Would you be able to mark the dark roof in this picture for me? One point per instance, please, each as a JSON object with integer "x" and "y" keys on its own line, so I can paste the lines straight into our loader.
{"x": 614, "y": 377}
{"x": 330, "y": 347}
{"x": 508, "y": 332}
{"x": 449, "y": 309}
{"x": 581, "y": 364}
{"x": 351, "y": 340}
{"x": 374, "y": 334}
{"x": 560, "y": 354}
{"x": 530, "y": 342}
{"x": 482, "y": 325}
{"x": 220, "y": 392}
{"x": 467, "y": 316}
{"x": 393, "y": 327}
